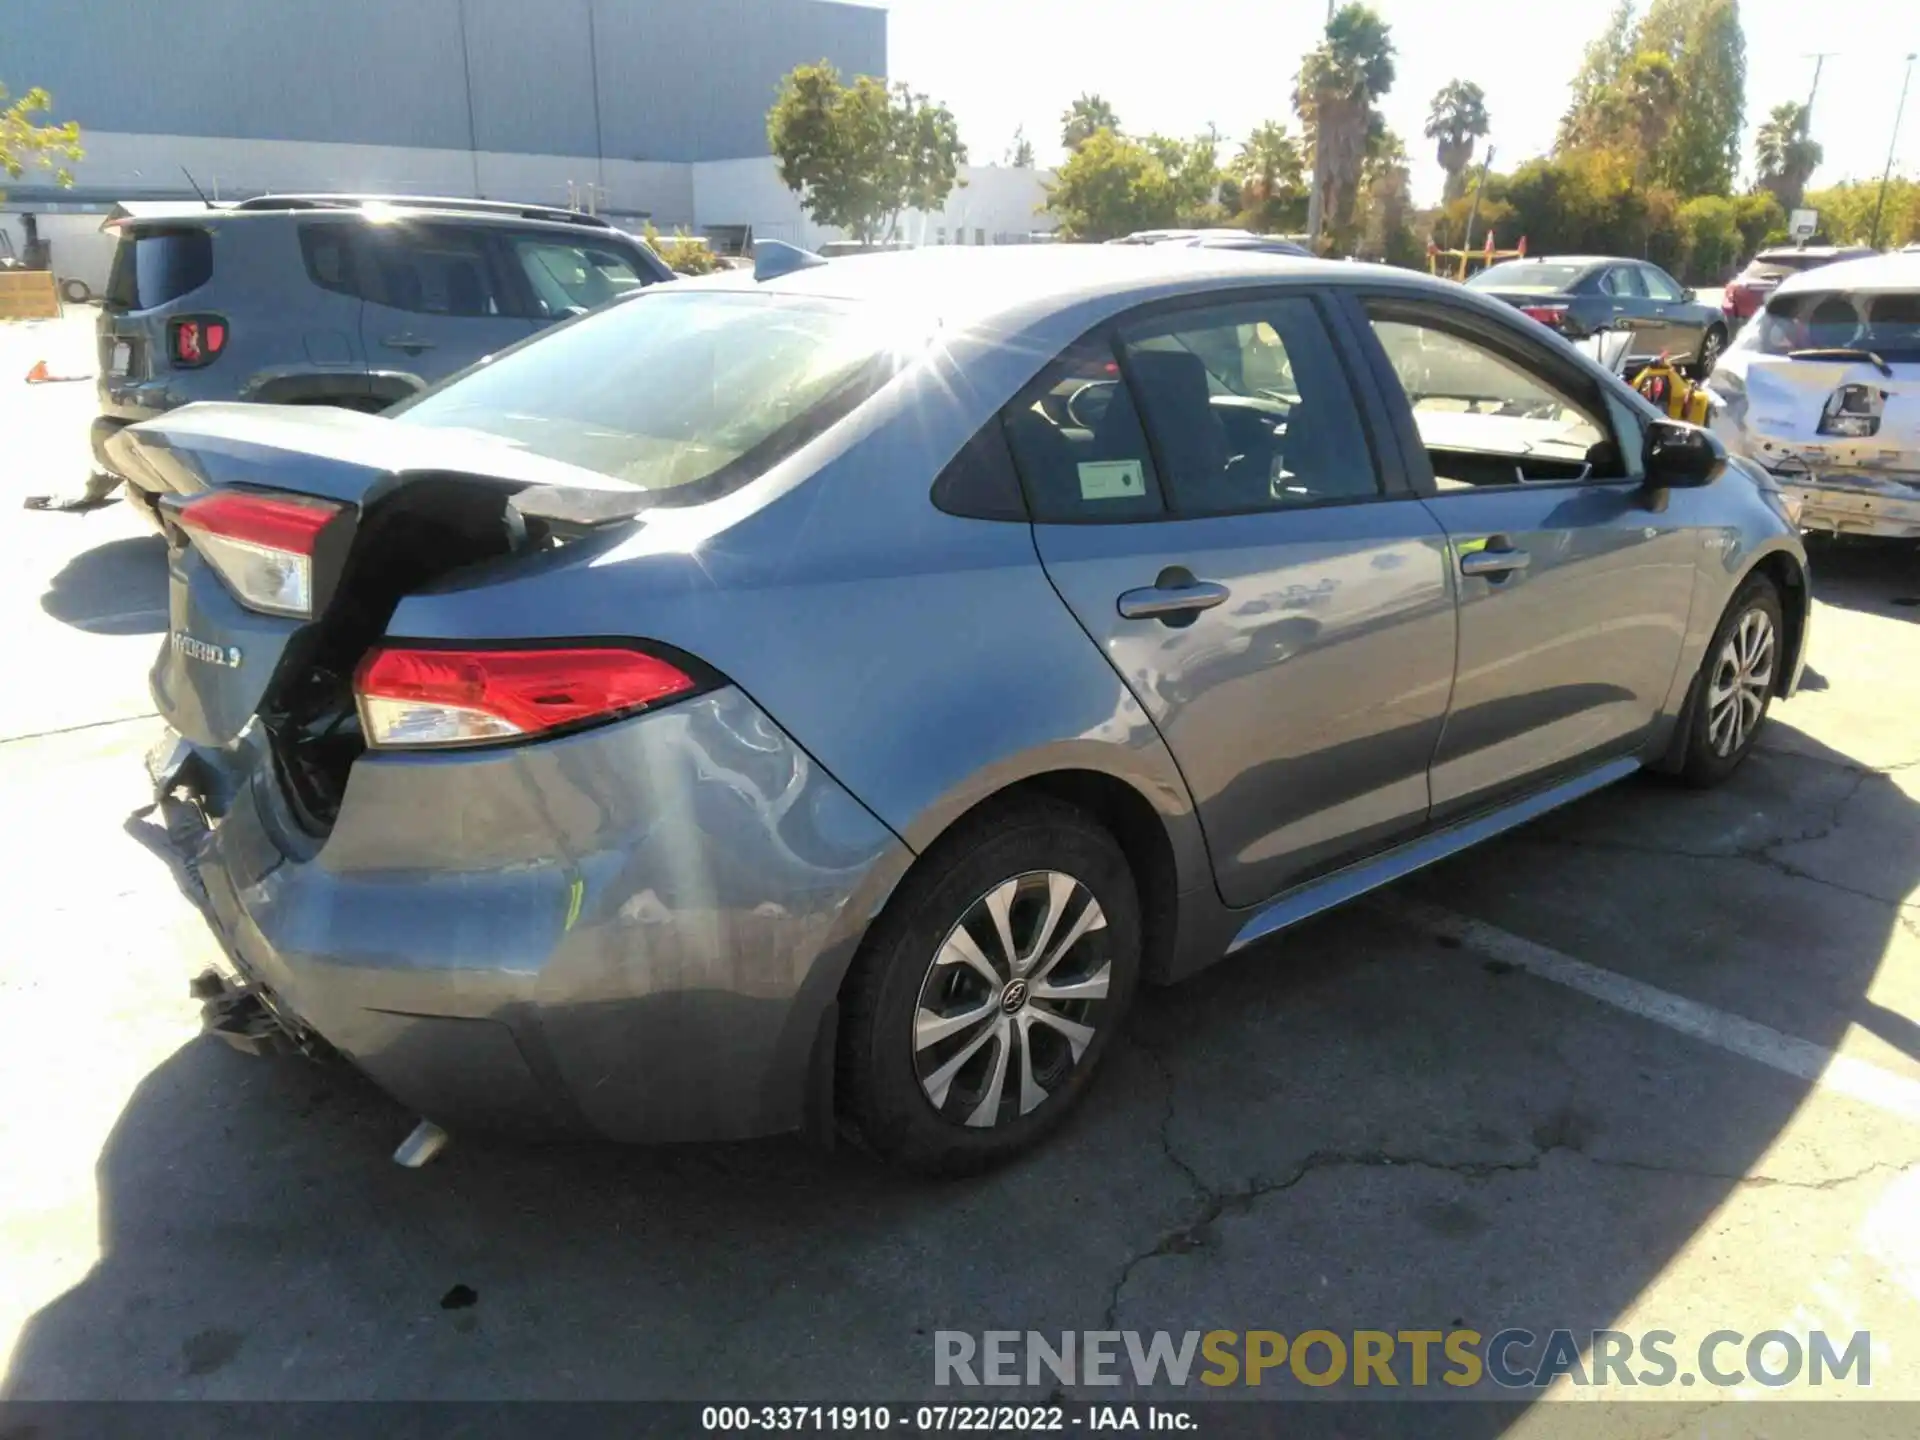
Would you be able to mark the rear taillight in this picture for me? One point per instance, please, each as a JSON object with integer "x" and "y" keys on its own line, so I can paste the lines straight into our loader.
{"x": 416, "y": 698}
{"x": 196, "y": 340}
{"x": 1553, "y": 315}
{"x": 262, "y": 546}
{"x": 1853, "y": 411}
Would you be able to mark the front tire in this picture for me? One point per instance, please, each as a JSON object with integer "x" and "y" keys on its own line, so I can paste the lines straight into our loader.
{"x": 1712, "y": 346}
{"x": 990, "y": 988}
{"x": 1736, "y": 684}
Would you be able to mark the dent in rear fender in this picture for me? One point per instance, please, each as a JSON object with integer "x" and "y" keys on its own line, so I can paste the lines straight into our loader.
{"x": 659, "y": 909}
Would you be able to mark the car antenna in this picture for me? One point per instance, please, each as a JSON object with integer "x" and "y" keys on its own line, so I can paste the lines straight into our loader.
{"x": 196, "y": 187}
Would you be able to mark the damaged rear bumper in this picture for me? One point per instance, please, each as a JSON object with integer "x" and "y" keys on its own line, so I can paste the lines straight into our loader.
{"x": 1884, "y": 504}
{"x": 637, "y": 932}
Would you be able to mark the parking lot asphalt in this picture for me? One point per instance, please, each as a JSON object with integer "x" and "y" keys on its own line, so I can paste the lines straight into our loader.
{"x": 1651, "y": 1063}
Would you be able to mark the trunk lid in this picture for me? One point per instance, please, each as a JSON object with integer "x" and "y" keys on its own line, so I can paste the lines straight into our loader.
{"x": 1786, "y": 399}
{"x": 415, "y": 504}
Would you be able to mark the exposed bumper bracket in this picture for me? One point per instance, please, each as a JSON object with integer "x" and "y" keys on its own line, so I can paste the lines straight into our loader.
{"x": 234, "y": 1012}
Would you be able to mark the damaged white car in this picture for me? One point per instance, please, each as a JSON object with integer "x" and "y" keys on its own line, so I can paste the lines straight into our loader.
{"x": 1824, "y": 392}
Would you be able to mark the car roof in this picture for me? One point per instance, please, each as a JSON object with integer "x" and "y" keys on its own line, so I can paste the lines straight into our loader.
{"x": 972, "y": 284}
{"x": 356, "y": 208}
{"x": 1813, "y": 251}
{"x": 1586, "y": 262}
{"x": 1871, "y": 272}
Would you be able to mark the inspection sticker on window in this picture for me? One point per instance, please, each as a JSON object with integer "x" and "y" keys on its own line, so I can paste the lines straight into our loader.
{"x": 1112, "y": 479}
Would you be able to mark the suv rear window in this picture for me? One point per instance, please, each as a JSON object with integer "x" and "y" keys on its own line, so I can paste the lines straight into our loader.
{"x": 154, "y": 267}
{"x": 693, "y": 392}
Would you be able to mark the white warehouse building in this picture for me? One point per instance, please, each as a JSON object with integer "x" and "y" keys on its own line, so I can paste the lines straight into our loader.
{"x": 644, "y": 110}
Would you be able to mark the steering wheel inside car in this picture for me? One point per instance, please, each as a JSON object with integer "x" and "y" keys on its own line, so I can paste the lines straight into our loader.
{"x": 1079, "y": 421}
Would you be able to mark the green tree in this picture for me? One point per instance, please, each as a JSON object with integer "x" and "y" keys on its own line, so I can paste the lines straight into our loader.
{"x": 27, "y": 142}
{"x": 1111, "y": 186}
{"x": 1020, "y": 153}
{"x": 1587, "y": 117}
{"x": 683, "y": 254}
{"x": 1340, "y": 80}
{"x": 1846, "y": 211}
{"x": 1455, "y": 120}
{"x": 1193, "y": 172}
{"x": 1701, "y": 151}
{"x": 859, "y": 154}
{"x": 1084, "y": 118}
{"x": 1268, "y": 170}
{"x": 1647, "y": 104}
{"x": 1386, "y": 199}
{"x": 1785, "y": 155}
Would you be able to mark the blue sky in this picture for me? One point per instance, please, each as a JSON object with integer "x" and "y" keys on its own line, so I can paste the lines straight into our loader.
{"x": 1175, "y": 67}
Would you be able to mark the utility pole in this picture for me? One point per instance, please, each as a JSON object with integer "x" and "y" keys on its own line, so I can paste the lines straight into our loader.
{"x": 1806, "y": 118}
{"x": 1893, "y": 146}
{"x": 1466, "y": 240}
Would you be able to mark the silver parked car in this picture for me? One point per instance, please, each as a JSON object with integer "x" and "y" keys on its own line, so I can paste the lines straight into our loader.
{"x": 825, "y": 693}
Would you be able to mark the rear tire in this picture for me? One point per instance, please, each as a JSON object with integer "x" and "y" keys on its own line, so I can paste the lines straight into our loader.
{"x": 989, "y": 989}
{"x": 1735, "y": 686}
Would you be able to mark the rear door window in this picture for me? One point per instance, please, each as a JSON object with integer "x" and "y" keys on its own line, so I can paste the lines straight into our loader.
{"x": 1077, "y": 442}
{"x": 328, "y": 250}
{"x": 431, "y": 270}
{"x": 1624, "y": 281}
{"x": 567, "y": 277}
{"x": 1660, "y": 285}
{"x": 157, "y": 267}
{"x": 1248, "y": 409}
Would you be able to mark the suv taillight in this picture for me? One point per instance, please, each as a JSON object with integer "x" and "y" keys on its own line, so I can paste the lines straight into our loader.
{"x": 262, "y": 546}
{"x": 1853, "y": 411}
{"x": 424, "y": 698}
{"x": 196, "y": 340}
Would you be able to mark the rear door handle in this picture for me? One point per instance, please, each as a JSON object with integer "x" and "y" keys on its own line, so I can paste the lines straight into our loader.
{"x": 1170, "y": 601}
{"x": 412, "y": 344}
{"x": 1494, "y": 562}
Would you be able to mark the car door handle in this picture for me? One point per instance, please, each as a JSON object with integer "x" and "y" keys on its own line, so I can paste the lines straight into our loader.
{"x": 1494, "y": 562}
{"x": 412, "y": 344}
{"x": 1159, "y": 602}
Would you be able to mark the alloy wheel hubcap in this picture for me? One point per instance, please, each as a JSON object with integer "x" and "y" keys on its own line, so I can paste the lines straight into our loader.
{"x": 1012, "y": 998}
{"x": 1742, "y": 680}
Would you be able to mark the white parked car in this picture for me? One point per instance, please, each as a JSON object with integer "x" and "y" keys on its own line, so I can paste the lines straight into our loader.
{"x": 1824, "y": 392}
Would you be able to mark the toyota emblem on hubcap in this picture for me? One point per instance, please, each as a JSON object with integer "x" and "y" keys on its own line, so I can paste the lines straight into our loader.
{"x": 1014, "y": 996}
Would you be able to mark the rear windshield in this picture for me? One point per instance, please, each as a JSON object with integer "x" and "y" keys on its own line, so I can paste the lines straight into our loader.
{"x": 1523, "y": 277}
{"x": 1883, "y": 322}
{"x": 153, "y": 267}
{"x": 685, "y": 391}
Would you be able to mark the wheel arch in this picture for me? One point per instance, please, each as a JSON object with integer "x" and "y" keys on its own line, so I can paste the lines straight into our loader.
{"x": 1789, "y": 577}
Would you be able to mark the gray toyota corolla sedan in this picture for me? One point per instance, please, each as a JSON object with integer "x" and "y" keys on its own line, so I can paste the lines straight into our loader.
{"x": 820, "y": 696}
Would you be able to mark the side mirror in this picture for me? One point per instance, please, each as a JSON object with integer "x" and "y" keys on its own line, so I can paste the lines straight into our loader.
{"x": 1681, "y": 457}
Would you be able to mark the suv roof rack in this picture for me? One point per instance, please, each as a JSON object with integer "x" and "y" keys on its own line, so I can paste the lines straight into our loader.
{"x": 557, "y": 214}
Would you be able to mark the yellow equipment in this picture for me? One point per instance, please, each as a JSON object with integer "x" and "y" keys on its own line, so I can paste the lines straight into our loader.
{"x": 1663, "y": 384}
{"x": 1457, "y": 262}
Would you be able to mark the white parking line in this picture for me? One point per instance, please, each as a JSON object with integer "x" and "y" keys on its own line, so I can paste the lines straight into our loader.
{"x": 1788, "y": 1054}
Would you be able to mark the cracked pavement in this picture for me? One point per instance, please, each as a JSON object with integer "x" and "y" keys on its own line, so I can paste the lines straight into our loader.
{"x": 1356, "y": 1125}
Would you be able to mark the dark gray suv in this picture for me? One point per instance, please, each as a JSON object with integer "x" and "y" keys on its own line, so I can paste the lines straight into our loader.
{"x": 347, "y": 300}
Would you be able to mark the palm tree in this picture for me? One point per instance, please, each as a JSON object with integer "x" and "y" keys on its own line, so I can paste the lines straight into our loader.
{"x": 1339, "y": 81}
{"x": 1785, "y": 155}
{"x": 1085, "y": 116}
{"x": 1456, "y": 119}
{"x": 1269, "y": 171}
